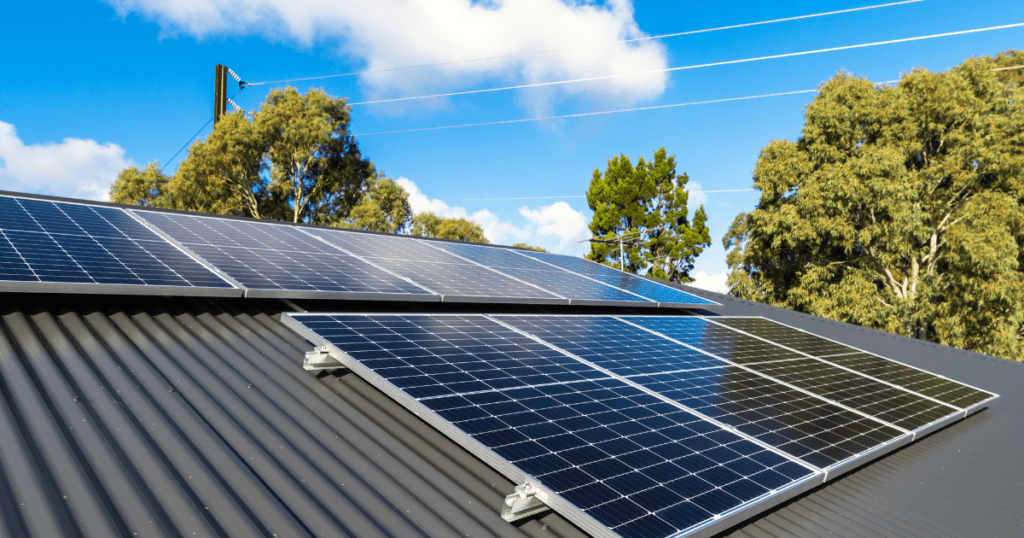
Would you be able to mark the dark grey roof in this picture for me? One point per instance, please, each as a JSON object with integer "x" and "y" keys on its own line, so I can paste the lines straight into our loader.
{"x": 123, "y": 415}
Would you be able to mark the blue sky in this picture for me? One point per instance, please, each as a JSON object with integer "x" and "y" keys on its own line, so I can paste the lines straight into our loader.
{"x": 90, "y": 87}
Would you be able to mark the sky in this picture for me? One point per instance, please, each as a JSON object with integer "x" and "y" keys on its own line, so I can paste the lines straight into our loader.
{"x": 88, "y": 88}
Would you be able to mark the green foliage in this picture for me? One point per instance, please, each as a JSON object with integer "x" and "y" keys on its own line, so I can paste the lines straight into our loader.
{"x": 384, "y": 208}
{"x": 144, "y": 188}
{"x": 646, "y": 202}
{"x": 430, "y": 225}
{"x": 294, "y": 161}
{"x": 528, "y": 247}
{"x": 899, "y": 208}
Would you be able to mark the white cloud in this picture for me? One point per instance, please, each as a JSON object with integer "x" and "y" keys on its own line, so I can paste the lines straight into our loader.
{"x": 559, "y": 221}
{"x": 697, "y": 195}
{"x": 557, "y": 227}
{"x": 386, "y": 34}
{"x": 75, "y": 168}
{"x": 716, "y": 282}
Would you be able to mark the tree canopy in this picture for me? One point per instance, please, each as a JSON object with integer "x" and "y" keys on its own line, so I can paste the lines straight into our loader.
{"x": 899, "y": 208}
{"x": 293, "y": 161}
{"x": 528, "y": 247}
{"x": 383, "y": 208}
{"x": 429, "y": 224}
{"x": 646, "y": 203}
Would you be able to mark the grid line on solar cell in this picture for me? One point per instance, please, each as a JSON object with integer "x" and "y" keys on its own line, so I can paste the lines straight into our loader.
{"x": 60, "y": 242}
{"x": 884, "y": 402}
{"x": 619, "y": 279}
{"x": 716, "y": 340}
{"x": 932, "y": 386}
{"x": 553, "y": 279}
{"x": 263, "y": 256}
{"x": 792, "y": 420}
{"x": 433, "y": 268}
{"x": 639, "y": 466}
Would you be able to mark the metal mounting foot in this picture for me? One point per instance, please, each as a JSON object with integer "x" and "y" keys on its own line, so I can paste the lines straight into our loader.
{"x": 320, "y": 359}
{"x": 528, "y": 500}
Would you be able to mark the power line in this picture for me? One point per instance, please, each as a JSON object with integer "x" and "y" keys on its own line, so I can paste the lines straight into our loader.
{"x": 697, "y": 66}
{"x": 1008, "y": 68}
{"x": 186, "y": 144}
{"x": 576, "y": 196}
{"x": 647, "y": 38}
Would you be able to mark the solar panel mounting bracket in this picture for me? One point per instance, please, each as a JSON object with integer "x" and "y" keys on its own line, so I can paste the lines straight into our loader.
{"x": 320, "y": 359}
{"x": 528, "y": 500}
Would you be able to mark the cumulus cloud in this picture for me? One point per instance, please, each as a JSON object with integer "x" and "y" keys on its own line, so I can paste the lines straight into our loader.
{"x": 75, "y": 168}
{"x": 581, "y": 35}
{"x": 716, "y": 282}
{"x": 559, "y": 221}
{"x": 557, "y": 227}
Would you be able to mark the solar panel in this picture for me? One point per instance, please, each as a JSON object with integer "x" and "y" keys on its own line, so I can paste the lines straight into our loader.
{"x": 578, "y": 289}
{"x": 884, "y": 402}
{"x": 455, "y": 279}
{"x": 798, "y": 423}
{"x": 665, "y": 295}
{"x": 93, "y": 249}
{"x": 618, "y": 460}
{"x": 913, "y": 379}
{"x": 274, "y": 260}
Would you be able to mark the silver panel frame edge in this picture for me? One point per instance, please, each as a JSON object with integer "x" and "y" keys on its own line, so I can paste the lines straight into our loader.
{"x": 343, "y": 295}
{"x": 565, "y": 508}
{"x": 87, "y": 288}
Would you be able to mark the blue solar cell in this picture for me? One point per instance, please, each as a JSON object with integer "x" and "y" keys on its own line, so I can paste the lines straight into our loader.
{"x": 57, "y": 242}
{"x": 640, "y": 286}
{"x": 881, "y": 401}
{"x": 554, "y": 279}
{"x": 617, "y": 453}
{"x": 794, "y": 421}
{"x": 277, "y": 258}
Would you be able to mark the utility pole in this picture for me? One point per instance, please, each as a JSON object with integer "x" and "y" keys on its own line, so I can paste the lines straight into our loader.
{"x": 220, "y": 94}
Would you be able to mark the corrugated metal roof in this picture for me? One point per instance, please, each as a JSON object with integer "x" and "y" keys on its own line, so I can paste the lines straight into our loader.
{"x": 154, "y": 417}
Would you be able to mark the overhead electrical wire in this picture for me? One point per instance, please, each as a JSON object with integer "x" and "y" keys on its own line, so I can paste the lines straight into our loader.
{"x": 599, "y": 113}
{"x": 576, "y": 196}
{"x": 547, "y": 51}
{"x": 696, "y": 66}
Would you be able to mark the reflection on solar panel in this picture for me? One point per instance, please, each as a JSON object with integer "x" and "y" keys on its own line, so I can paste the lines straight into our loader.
{"x": 790, "y": 419}
{"x": 83, "y": 246}
{"x": 879, "y": 400}
{"x": 620, "y": 279}
{"x": 450, "y": 276}
{"x": 273, "y": 260}
{"x": 612, "y": 452}
{"x": 940, "y": 388}
{"x": 570, "y": 285}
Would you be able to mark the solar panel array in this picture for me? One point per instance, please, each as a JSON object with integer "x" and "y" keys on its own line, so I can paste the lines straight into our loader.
{"x": 644, "y": 426}
{"x": 43, "y": 243}
{"x": 101, "y": 249}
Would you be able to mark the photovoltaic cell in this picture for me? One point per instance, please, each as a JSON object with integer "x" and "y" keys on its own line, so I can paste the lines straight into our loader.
{"x": 620, "y": 279}
{"x": 919, "y": 381}
{"x": 564, "y": 283}
{"x": 787, "y": 336}
{"x": 798, "y": 423}
{"x": 634, "y": 463}
{"x": 278, "y": 258}
{"x": 611, "y": 344}
{"x": 720, "y": 341}
{"x": 434, "y": 268}
{"x": 57, "y": 242}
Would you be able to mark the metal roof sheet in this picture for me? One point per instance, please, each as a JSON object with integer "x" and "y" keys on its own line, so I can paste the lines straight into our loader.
{"x": 168, "y": 417}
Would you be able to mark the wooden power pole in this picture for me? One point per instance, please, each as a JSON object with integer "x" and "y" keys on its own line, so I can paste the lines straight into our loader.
{"x": 220, "y": 94}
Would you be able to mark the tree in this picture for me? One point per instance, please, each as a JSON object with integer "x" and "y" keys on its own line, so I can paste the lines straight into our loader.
{"x": 900, "y": 208}
{"x": 383, "y": 208}
{"x": 293, "y": 161}
{"x": 647, "y": 204}
{"x": 143, "y": 188}
{"x": 430, "y": 225}
{"x": 528, "y": 247}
